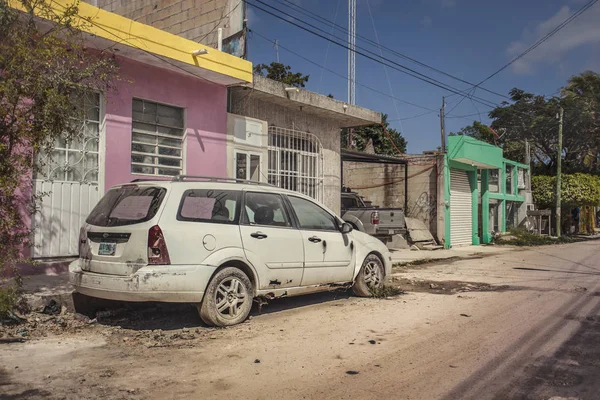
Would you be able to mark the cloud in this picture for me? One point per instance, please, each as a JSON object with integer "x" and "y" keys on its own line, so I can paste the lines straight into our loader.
{"x": 426, "y": 21}
{"x": 581, "y": 32}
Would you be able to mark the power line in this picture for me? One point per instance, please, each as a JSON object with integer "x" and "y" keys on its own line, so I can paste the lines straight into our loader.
{"x": 328, "y": 44}
{"x": 387, "y": 75}
{"x": 301, "y": 10}
{"x": 395, "y": 65}
{"x": 430, "y": 110}
{"x": 542, "y": 40}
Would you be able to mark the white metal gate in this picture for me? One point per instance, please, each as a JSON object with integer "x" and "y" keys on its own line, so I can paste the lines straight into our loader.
{"x": 68, "y": 186}
{"x": 461, "y": 206}
{"x": 296, "y": 161}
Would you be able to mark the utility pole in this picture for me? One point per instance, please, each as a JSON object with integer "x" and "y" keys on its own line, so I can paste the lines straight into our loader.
{"x": 277, "y": 49}
{"x": 351, "y": 51}
{"x": 528, "y": 163}
{"x": 443, "y": 125}
{"x": 559, "y": 171}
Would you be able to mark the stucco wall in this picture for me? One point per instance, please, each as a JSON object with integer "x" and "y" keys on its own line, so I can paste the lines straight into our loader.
{"x": 205, "y": 107}
{"x": 383, "y": 184}
{"x": 325, "y": 129}
{"x": 196, "y": 20}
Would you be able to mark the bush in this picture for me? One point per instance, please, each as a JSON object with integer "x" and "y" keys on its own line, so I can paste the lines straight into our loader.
{"x": 576, "y": 190}
{"x": 520, "y": 237}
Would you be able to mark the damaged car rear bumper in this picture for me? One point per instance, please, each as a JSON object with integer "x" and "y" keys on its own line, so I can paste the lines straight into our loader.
{"x": 166, "y": 283}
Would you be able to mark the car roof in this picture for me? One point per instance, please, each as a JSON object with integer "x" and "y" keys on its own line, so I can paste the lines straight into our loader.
{"x": 224, "y": 184}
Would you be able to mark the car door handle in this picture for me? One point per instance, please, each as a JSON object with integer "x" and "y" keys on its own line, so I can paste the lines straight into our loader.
{"x": 258, "y": 235}
{"x": 314, "y": 239}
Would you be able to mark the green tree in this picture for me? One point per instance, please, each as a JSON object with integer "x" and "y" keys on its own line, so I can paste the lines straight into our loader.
{"x": 533, "y": 117}
{"x": 477, "y": 131}
{"x": 381, "y": 141}
{"x": 41, "y": 73}
{"x": 281, "y": 73}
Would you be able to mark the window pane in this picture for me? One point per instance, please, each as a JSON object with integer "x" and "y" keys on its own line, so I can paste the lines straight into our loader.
{"x": 254, "y": 168}
{"x": 217, "y": 206}
{"x": 143, "y": 148}
{"x": 137, "y": 158}
{"x": 240, "y": 165}
{"x": 169, "y": 162}
{"x": 144, "y": 128}
{"x": 169, "y": 142}
{"x": 163, "y": 130}
{"x": 170, "y": 116}
{"x": 138, "y": 169}
{"x": 168, "y": 172}
{"x": 148, "y": 137}
{"x": 266, "y": 209}
{"x": 167, "y": 151}
{"x": 138, "y": 137}
{"x": 311, "y": 216}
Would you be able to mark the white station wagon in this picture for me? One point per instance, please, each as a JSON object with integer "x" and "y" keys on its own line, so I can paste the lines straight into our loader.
{"x": 219, "y": 243}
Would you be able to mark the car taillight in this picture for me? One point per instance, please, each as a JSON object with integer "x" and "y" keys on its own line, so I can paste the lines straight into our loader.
{"x": 375, "y": 218}
{"x": 157, "y": 247}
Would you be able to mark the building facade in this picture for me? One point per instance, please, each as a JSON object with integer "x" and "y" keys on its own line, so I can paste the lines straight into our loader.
{"x": 290, "y": 137}
{"x": 483, "y": 192}
{"x": 166, "y": 115}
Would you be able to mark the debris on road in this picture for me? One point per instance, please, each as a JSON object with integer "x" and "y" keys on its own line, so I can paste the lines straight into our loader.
{"x": 465, "y": 315}
{"x": 352, "y": 372}
{"x": 443, "y": 287}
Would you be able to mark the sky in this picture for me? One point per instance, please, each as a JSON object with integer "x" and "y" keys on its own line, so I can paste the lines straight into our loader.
{"x": 469, "y": 39}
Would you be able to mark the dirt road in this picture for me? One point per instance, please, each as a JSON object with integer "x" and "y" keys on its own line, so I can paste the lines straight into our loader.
{"x": 536, "y": 337}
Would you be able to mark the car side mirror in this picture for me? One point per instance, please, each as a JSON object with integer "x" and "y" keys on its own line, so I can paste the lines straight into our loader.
{"x": 346, "y": 228}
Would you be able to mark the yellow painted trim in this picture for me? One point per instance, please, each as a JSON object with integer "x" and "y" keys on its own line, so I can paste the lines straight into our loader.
{"x": 123, "y": 30}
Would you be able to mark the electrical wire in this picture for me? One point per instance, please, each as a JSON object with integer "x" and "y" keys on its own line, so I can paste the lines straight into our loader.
{"x": 430, "y": 110}
{"x": 387, "y": 75}
{"x": 365, "y": 53}
{"x": 223, "y": 16}
{"x": 542, "y": 40}
{"x": 328, "y": 44}
{"x": 316, "y": 17}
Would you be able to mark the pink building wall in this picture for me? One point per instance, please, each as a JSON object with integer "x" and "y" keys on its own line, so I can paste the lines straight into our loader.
{"x": 206, "y": 119}
{"x": 205, "y": 146}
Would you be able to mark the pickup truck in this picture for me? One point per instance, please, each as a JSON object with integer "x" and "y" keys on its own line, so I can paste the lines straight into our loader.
{"x": 382, "y": 223}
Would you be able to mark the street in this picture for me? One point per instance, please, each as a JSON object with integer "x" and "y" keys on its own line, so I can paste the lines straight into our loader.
{"x": 533, "y": 334}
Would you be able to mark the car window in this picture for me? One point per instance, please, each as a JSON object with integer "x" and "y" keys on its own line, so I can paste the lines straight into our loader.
{"x": 349, "y": 202}
{"x": 127, "y": 205}
{"x": 265, "y": 209}
{"x": 311, "y": 216}
{"x": 215, "y": 206}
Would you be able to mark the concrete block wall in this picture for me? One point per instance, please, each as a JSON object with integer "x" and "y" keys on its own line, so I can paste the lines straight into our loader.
{"x": 197, "y": 20}
{"x": 383, "y": 184}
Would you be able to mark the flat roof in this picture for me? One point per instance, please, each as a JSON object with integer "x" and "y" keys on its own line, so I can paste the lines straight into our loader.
{"x": 346, "y": 115}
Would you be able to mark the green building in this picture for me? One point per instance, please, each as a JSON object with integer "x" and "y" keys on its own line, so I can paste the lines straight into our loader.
{"x": 483, "y": 192}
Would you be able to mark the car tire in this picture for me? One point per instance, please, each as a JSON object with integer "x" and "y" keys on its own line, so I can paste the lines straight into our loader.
{"x": 228, "y": 298}
{"x": 370, "y": 277}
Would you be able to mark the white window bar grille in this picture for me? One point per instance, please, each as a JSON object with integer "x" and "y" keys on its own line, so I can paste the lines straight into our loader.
{"x": 75, "y": 159}
{"x": 296, "y": 161}
{"x": 156, "y": 139}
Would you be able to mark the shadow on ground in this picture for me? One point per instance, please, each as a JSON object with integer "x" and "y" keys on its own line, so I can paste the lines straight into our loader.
{"x": 172, "y": 316}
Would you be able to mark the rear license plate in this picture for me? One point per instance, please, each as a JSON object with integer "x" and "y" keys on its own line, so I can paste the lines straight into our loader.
{"x": 391, "y": 231}
{"x": 107, "y": 249}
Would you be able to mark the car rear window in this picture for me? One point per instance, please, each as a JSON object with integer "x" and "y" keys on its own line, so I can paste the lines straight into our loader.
{"x": 127, "y": 205}
{"x": 214, "y": 206}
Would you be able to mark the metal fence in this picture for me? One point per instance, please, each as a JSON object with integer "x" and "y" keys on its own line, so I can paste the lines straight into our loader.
{"x": 296, "y": 161}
